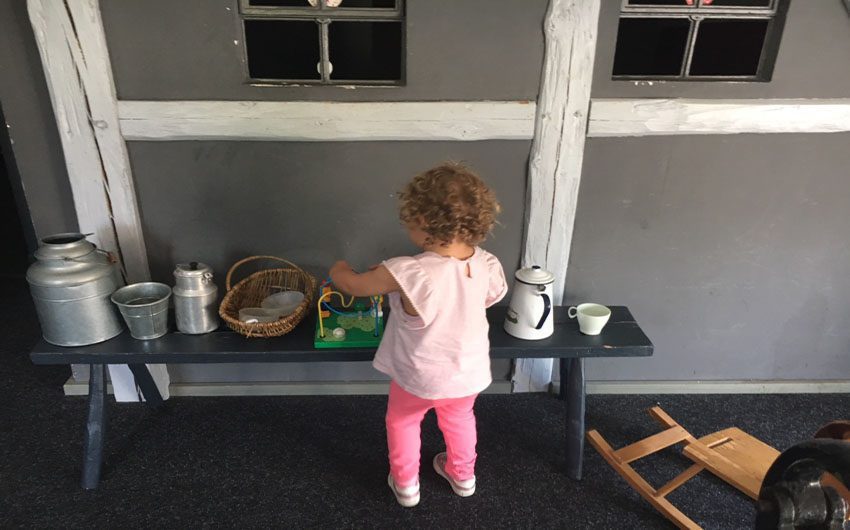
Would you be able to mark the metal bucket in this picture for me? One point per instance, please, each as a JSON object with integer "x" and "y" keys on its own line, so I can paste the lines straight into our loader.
{"x": 144, "y": 307}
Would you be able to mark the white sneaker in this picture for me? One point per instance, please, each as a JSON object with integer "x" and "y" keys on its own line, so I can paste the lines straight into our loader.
{"x": 407, "y": 497}
{"x": 464, "y": 488}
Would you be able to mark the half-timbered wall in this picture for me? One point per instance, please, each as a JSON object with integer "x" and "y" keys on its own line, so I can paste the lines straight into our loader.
{"x": 728, "y": 248}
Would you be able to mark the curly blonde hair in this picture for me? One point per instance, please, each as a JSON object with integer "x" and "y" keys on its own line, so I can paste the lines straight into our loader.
{"x": 450, "y": 202}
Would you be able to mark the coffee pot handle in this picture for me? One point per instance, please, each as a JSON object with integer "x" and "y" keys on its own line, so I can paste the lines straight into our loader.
{"x": 547, "y": 308}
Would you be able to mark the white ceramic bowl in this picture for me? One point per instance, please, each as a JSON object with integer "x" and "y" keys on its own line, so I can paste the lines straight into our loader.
{"x": 284, "y": 303}
{"x": 258, "y": 314}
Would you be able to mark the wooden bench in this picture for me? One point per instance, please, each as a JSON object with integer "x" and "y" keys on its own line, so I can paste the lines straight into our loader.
{"x": 622, "y": 337}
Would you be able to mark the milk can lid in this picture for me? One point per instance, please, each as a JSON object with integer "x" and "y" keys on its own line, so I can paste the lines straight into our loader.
{"x": 69, "y": 260}
{"x": 192, "y": 269}
{"x": 535, "y": 276}
{"x": 65, "y": 246}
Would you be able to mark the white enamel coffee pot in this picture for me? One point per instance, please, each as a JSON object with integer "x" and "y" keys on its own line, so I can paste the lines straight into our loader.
{"x": 530, "y": 312}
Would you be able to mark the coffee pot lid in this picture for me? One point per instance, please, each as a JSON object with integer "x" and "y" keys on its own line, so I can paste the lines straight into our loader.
{"x": 192, "y": 269}
{"x": 535, "y": 276}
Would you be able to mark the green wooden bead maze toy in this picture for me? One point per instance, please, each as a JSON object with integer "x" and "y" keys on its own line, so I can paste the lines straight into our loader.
{"x": 353, "y": 324}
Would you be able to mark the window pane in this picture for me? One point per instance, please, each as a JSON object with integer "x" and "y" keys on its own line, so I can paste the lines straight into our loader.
{"x": 651, "y": 46}
{"x": 280, "y": 3}
{"x": 365, "y": 50}
{"x": 658, "y": 3}
{"x": 728, "y": 47}
{"x": 737, "y": 3}
{"x": 282, "y": 49}
{"x": 378, "y": 4}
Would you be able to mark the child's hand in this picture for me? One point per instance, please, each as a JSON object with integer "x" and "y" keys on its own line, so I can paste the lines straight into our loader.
{"x": 340, "y": 267}
{"x": 377, "y": 281}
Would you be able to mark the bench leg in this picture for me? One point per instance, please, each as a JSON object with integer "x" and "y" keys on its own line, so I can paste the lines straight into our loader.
{"x": 575, "y": 393}
{"x": 95, "y": 427}
{"x": 145, "y": 382}
{"x": 564, "y": 370}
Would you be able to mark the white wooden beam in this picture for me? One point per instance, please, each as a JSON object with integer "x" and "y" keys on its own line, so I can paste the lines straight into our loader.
{"x": 72, "y": 46}
{"x": 785, "y": 386}
{"x": 54, "y": 35}
{"x": 554, "y": 170}
{"x": 77, "y": 387}
{"x": 648, "y": 117}
{"x": 74, "y": 387}
{"x": 295, "y": 121}
{"x": 76, "y": 64}
{"x": 95, "y": 70}
{"x": 467, "y": 120}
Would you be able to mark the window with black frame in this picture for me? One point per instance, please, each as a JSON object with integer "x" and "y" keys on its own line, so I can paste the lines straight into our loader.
{"x": 721, "y": 40}
{"x": 324, "y": 42}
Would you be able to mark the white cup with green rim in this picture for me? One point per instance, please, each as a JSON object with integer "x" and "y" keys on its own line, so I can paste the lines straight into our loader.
{"x": 591, "y": 317}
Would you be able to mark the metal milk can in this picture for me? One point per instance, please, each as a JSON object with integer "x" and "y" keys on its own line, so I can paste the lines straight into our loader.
{"x": 70, "y": 283}
{"x": 195, "y": 297}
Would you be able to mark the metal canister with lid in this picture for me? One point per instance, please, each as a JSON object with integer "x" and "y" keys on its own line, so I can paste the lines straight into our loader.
{"x": 71, "y": 282}
{"x": 195, "y": 297}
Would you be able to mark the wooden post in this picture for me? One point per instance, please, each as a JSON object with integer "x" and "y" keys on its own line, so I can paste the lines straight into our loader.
{"x": 554, "y": 170}
{"x": 72, "y": 46}
{"x": 76, "y": 64}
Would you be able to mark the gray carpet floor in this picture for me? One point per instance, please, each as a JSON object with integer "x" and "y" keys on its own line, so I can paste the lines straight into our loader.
{"x": 319, "y": 462}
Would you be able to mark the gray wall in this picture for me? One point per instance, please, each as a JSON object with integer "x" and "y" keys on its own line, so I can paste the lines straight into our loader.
{"x": 474, "y": 49}
{"x": 32, "y": 128}
{"x": 312, "y": 203}
{"x": 732, "y": 251}
{"x": 812, "y": 60}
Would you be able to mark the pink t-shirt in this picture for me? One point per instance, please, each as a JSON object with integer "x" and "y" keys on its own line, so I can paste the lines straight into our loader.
{"x": 445, "y": 351}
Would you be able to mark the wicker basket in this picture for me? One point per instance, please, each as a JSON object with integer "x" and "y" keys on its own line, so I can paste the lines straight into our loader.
{"x": 251, "y": 291}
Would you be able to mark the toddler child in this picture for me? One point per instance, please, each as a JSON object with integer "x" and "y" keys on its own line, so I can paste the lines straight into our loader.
{"x": 435, "y": 346}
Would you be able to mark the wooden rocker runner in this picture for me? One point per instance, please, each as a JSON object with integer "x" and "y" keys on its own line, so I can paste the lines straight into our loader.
{"x": 731, "y": 454}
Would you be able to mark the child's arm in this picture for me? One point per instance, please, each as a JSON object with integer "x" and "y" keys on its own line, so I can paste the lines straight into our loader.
{"x": 498, "y": 286}
{"x": 376, "y": 281}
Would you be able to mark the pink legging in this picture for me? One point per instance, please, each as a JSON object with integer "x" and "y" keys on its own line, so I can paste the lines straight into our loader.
{"x": 404, "y": 419}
